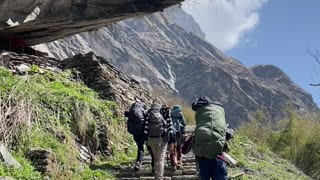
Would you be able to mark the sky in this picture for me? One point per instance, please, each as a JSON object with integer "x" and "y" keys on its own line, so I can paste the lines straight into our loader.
{"x": 277, "y": 32}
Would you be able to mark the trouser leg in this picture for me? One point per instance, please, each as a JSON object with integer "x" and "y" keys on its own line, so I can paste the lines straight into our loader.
{"x": 162, "y": 154}
{"x": 152, "y": 157}
{"x": 204, "y": 169}
{"x": 158, "y": 147}
{"x": 179, "y": 154}
{"x": 173, "y": 157}
{"x": 220, "y": 170}
{"x": 140, "y": 141}
{"x": 212, "y": 168}
{"x": 179, "y": 150}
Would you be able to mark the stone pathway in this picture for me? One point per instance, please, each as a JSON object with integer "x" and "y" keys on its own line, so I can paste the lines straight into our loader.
{"x": 188, "y": 170}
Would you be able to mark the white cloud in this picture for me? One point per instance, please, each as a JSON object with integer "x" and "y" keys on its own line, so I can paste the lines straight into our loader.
{"x": 225, "y": 22}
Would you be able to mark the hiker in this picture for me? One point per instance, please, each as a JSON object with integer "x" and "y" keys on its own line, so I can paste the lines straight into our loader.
{"x": 137, "y": 127}
{"x": 158, "y": 136}
{"x": 209, "y": 139}
{"x": 179, "y": 125}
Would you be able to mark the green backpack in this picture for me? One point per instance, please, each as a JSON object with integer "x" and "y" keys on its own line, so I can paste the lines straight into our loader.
{"x": 210, "y": 131}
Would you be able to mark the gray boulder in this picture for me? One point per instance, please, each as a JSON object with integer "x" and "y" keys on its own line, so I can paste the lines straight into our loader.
{"x": 6, "y": 157}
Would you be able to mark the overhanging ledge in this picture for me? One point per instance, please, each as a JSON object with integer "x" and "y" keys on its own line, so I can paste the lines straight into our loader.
{"x": 56, "y": 19}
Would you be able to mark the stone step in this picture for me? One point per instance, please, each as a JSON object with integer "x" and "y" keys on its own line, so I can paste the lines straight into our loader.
{"x": 186, "y": 156}
{"x": 167, "y": 166}
{"x": 185, "y": 177}
{"x": 148, "y": 161}
{"x": 189, "y": 167}
{"x": 191, "y": 171}
{"x": 185, "y": 164}
{"x": 143, "y": 178}
{"x": 147, "y": 172}
{"x": 181, "y": 177}
{"x": 189, "y": 164}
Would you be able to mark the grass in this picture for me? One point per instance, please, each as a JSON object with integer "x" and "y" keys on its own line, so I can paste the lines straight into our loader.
{"x": 37, "y": 106}
{"x": 27, "y": 172}
{"x": 259, "y": 162}
{"x": 294, "y": 139}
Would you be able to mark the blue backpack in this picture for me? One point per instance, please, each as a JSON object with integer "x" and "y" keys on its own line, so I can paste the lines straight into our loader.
{"x": 176, "y": 116}
{"x": 176, "y": 125}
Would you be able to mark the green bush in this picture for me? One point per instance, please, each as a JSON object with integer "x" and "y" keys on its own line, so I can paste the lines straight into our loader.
{"x": 34, "y": 69}
{"x": 294, "y": 138}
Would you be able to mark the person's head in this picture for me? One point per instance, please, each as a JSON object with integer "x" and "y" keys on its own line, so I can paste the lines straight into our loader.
{"x": 156, "y": 106}
{"x": 201, "y": 101}
{"x": 165, "y": 107}
{"x": 140, "y": 104}
{"x": 176, "y": 108}
{"x": 165, "y": 110}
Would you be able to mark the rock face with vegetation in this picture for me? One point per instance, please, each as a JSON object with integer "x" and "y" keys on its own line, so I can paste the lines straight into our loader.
{"x": 161, "y": 54}
{"x": 55, "y": 124}
{"x": 103, "y": 77}
{"x": 37, "y": 21}
{"x": 96, "y": 72}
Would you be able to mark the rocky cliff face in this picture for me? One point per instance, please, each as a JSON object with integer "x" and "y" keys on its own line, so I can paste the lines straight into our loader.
{"x": 162, "y": 54}
{"x": 94, "y": 71}
{"x": 178, "y": 16}
{"x": 39, "y": 21}
{"x": 99, "y": 74}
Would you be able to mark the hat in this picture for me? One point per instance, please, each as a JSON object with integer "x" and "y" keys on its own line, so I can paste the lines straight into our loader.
{"x": 201, "y": 101}
{"x": 176, "y": 107}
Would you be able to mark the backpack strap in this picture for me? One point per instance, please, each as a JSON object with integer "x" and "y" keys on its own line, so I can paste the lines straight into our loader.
{"x": 217, "y": 103}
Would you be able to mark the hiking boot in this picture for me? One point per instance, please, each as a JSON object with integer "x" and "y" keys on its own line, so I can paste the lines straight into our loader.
{"x": 137, "y": 165}
{"x": 179, "y": 165}
{"x": 173, "y": 167}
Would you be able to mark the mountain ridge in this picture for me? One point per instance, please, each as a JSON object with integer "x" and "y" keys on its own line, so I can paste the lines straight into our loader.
{"x": 162, "y": 55}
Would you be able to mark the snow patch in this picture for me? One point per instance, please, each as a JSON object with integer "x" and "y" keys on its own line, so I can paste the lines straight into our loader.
{"x": 32, "y": 16}
{"x": 11, "y": 23}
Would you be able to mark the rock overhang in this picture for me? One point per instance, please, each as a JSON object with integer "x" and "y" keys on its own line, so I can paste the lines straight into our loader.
{"x": 48, "y": 20}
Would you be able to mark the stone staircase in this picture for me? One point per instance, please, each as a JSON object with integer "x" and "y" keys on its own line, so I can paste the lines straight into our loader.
{"x": 188, "y": 170}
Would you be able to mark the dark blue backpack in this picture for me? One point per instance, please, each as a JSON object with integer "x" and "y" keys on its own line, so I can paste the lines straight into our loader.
{"x": 136, "y": 119}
